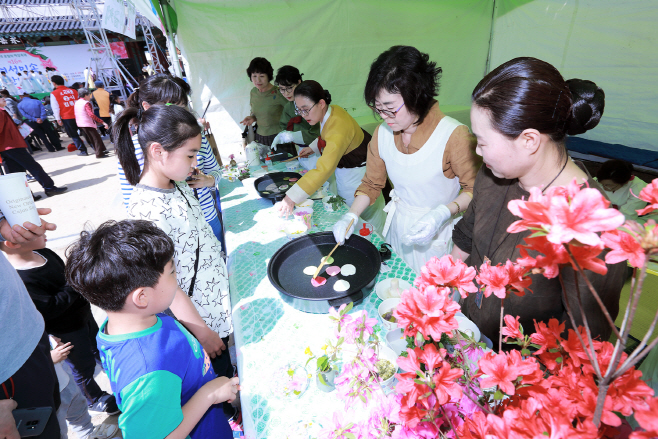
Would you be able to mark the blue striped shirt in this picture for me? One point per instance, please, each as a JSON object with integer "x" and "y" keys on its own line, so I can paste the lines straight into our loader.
{"x": 206, "y": 163}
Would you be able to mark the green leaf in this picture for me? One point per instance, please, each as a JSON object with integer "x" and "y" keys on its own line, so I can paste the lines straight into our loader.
{"x": 296, "y": 392}
{"x": 349, "y": 435}
{"x": 558, "y": 360}
{"x": 498, "y": 395}
{"x": 362, "y": 398}
{"x": 348, "y": 308}
{"x": 322, "y": 380}
{"x": 291, "y": 373}
{"x": 525, "y": 352}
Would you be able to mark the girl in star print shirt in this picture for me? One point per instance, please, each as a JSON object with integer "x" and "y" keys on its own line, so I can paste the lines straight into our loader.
{"x": 170, "y": 138}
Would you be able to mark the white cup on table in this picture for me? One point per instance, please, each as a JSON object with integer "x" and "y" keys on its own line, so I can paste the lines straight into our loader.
{"x": 16, "y": 202}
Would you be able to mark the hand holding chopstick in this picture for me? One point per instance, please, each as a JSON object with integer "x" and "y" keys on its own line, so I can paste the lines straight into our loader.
{"x": 324, "y": 259}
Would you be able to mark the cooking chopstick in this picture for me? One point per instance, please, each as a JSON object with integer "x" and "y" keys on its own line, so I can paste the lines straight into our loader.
{"x": 289, "y": 160}
{"x": 322, "y": 261}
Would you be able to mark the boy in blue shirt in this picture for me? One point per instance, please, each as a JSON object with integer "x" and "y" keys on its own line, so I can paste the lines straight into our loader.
{"x": 162, "y": 378}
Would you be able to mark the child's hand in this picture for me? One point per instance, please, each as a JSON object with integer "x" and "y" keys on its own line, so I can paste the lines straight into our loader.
{"x": 61, "y": 351}
{"x": 223, "y": 389}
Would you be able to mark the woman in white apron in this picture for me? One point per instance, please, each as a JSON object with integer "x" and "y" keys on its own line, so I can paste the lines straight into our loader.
{"x": 428, "y": 156}
{"x": 342, "y": 146}
{"x": 295, "y": 128}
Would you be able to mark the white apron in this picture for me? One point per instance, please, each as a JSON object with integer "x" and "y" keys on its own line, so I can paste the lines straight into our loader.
{"x": 347, "y": 182}
{"x": 420, "y": 186}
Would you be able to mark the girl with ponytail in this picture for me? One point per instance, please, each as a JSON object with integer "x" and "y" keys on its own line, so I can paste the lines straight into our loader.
{"x": 342, "y": 146}
{"x": 170, "y": 139}
{"x": 165, "y": 89}
{"x": 521, "y": 114}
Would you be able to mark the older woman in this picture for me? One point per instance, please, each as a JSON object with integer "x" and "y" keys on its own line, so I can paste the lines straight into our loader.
{"x": 342, "y": 147}
{"x": 295, "y": 128}
{"x": 428, "y": 156}
{"x": 87, "y": 120}
{"x": 265, "y": 100}
{"x": 521, "y": 114}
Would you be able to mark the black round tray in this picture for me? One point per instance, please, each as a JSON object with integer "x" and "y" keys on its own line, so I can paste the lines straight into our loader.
{"x": 275, "y": 178}
{"x": 285, "y": 271}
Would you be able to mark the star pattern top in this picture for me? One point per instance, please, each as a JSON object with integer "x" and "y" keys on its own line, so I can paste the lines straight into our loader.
{"x": 186, "y": 226}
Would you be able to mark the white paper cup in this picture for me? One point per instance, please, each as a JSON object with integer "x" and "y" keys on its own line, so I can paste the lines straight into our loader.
{"x": 16, "y": 202}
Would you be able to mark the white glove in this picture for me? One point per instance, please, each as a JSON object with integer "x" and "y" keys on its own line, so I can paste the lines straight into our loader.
{"x": 425, "y": 228}
{"x": 341, "y": 232}
{"x": 287, "y": 137}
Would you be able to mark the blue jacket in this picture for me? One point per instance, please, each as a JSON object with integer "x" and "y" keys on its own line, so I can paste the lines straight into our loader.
{"x": 32, "y": 109}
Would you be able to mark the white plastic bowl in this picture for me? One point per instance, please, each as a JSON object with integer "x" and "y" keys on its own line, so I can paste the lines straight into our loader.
{"x": 384, "y": 307}
{"x": 468, "y": 327}
{"x": 292, "y": 165}
{"x": 396, "y": 341}
{"x": 388, "y": 354}
{"x": 383, "y": 286}
{"x": 295, "y": 229}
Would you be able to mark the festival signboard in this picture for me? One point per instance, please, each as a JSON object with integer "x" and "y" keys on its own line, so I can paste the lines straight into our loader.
{"x": 70, "y": 61}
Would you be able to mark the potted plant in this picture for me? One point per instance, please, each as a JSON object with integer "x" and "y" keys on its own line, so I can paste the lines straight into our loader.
{"x": 332, "y": 203}
{"x": 244, "y": 173}
{"x": 232, "y": 163}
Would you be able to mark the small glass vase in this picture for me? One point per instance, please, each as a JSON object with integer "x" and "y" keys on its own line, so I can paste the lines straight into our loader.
{"x": 325, "y": 380}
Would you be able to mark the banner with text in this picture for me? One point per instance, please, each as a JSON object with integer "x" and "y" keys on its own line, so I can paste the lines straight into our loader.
{"x": 70, "y": 61}
{"x": 120, "y": 18}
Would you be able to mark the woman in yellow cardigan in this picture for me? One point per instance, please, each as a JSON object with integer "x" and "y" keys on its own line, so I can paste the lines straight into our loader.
{"x": 343, "y": 148}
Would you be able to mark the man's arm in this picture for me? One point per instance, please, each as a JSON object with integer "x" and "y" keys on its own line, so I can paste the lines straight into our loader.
{"x": 55, "y": 106}
{"x": 25, "y": 111}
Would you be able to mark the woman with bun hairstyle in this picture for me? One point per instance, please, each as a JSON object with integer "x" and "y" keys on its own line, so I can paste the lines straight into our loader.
{"x": 296, "y": 129}
{"x": 343, "y": 148}
{"x": 521, "y": 114}
{"x": 428, "y": 156}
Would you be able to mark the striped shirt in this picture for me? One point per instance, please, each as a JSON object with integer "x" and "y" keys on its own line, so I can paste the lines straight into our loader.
{"x": 206, "y": 163}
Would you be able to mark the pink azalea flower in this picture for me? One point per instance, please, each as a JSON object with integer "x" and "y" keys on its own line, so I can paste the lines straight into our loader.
{"x": 446, "y": 272}
{"x": 624, "y": 247}
{"x": 494, "y": 279}
{"x": 499, "y": 372}
{"x": 511, "y": 328}
{"x": 650, "y": 195}
{"x": 566, "y": 214}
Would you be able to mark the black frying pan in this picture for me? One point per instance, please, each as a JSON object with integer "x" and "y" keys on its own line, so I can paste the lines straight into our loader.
{"x": 285, "y": 270}
{"x": 261, "y": 184}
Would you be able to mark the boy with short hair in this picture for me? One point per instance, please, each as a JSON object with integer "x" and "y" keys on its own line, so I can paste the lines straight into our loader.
{"x": 161, "y": 376}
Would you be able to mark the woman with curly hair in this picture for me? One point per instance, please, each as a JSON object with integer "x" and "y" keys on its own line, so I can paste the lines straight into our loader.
{"x": 265, "y": 100}
{"x": 429, "y": 157}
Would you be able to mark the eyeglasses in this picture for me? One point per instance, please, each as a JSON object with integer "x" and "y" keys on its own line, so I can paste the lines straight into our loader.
{"x": 303, "y": 112}
{"x": 287, "y": 90}
{"x": 387, "y": 113}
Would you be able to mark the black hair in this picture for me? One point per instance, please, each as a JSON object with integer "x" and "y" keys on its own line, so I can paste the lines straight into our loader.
{"x": 409, "y": 72}
{"x": 530, "y": 93}
{"x": 160, "y": 89}
{"x": 619, "y": 171}
{"x": 169, "y": 125}
{"x": 287, "y": 76}
{"x": 5, "y": 94}
{"x": 313, "y": 90}
{"x": 56, "y": 79}
{"x": 106, "y": 265}
{"x": 260, "y": 65}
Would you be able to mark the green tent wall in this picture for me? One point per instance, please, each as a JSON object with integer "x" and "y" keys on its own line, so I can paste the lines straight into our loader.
{"x": 334, "y": 41}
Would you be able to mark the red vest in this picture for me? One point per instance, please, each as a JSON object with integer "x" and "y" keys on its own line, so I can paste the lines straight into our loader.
{"x": 66, "y": 98}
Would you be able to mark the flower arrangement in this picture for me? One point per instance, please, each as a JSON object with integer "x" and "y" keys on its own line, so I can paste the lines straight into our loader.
{"x": 553, "y": 384}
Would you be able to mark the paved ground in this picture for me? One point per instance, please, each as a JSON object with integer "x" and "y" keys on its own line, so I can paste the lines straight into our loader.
{"x": 93, "y": 197}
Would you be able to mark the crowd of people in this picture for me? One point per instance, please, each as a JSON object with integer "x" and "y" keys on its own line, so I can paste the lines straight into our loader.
{"x": 161, "y": 275}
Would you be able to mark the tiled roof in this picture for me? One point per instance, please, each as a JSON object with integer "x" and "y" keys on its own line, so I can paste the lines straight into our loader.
{"x": 42, "y": 26}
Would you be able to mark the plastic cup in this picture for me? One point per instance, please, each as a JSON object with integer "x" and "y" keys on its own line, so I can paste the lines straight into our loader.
{"x": 16, "y": 202}
{"x": 306, "y": 214}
